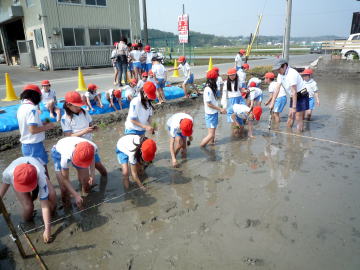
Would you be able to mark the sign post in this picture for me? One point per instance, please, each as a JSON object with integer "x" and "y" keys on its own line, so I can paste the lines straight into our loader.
{"x": 183, "y": 29}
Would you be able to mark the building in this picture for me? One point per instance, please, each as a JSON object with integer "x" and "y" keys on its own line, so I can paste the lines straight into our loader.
{"x": 65, "y": 33}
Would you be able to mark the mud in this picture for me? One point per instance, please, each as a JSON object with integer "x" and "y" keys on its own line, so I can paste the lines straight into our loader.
{"x": 275, "y": 202}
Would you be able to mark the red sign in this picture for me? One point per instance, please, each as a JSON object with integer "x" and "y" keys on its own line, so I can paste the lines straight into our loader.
{"x": 183, "y": 28}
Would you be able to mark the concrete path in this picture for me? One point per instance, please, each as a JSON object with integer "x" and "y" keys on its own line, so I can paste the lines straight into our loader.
{"x": 66, "y": 80}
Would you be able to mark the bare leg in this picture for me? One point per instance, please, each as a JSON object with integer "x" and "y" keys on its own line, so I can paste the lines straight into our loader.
{"x": 84, "y": 179}
{"x": 27, "y": 205}
{"x": 300, "y": 121}
{"x": 65, "y": 195}
{"x": 276, "y": 116}
{"x": 209, "y": 137}
{"x": 125, "y": 174}
{"x": 101, "y": 168}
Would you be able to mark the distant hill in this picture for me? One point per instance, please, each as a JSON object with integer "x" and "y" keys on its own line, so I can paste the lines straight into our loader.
{"x": 160, "y": 38}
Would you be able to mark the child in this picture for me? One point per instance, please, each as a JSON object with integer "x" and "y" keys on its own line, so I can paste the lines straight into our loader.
{"x": 140, "y": 112}
{"x": 231, "y": 93}
{"x": 130, "y": 89}
{"x": 219, "y": 82}
{"x": 81, "y": 153}
{"x": 140, "y": 84}
{"x": 130, "y": 63}
{"x": 49, "y": 100}
{"x": 256, "y": 80}
{"x": 243, "y": 112}
{"x": 135, "y": 55}
{"x": 160, "y": 78}
{"x": 136, "y": 150}
{"x": 76, "y": 122}
{"x": 242, "y": 75}
{"x": 189, "y": 76}
{"x": 239, "y": 59}
{"x": 28, "y": 178}
{"x": 113, "y": 96}
{"x": 92, "y": 97}
{"x": 313, "y": 90}
{"x": 151, "y": 77}
{"x": 142, "y": 59}
{"x": 255, "y": 95}
{"x": 281, "y": 99}
{"x": 32, "y": 130}
{"x": 149, "y": 56}
{"x": 211, "y": 107}
{"x": 113, "y": 61}
{"x": 180, "y": 126}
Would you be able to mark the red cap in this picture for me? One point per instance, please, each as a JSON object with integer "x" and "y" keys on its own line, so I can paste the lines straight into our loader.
{"x": 151, "y": 73}
{"x": 92, "y": 86}
{"x": 231, "y": 71}
{"x": 242, "y": 51}
{"x": 252, "y": 84}
{"x": 245, "y": 66}
{"x": 270, "y": 75}
{"x": 116, "y": 43}
{"x": 243, "y": 94}
{"x": 25, "y": 177}
{"x": 216, "y": 69}
{"x": 83, "y": 154}
{"x": 186, "y": 126}
{"x": 133, "y": 81}
{"x": 32, "y": 87}
{"x": 134, "y": 45}
{"x": 150, "y": 90}
{"x": 45, "y": 82}
{"x": 212, "y": 74}
{"x": 117, "y": 93}
{"x": 307, "y": 71}
{"x": 257, "y": 111}
{"x": 148, "y": 149}
{"x": 147, "y": 48}
{"x": 144, "y": 74}
{"x": 181, "y": 59}
{"x": 74, "y": 98}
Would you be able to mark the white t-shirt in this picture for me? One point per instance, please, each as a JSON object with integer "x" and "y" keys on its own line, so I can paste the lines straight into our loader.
{"x": 47, "y": 97}
{"x": 126, "y": 144}
{"x": 173, "y": 123}
{"x": 151, "y": 80}
{"x": 78, "y": 123}
{"x": 312, "y": 87}
{"x": 255, "y": 80}
{"x": 139, "y": 86}
{"x": 149, "y": 56}
{"x": 8, "y": 174}
{"x": 209, "y": 98}
{"x": 272, "y": 88}
{"x": 242, "y": 75}
{"x": 241, "y": 110}
{"x": 219, "y": 83}
{"x": 91, "y": 96}
{"x": 186, "y": 69}
{"x": 139, "y": 113}
{"x": 129, "y": 91}
{"x": 234, "y": 92}
{"x": 27, "y": 115}
{"x": 135, "y": 55}
{"x": 254, "y": 92}
{"x": 238, "y": 60}
{"x": 66, "y": 147}
{"x": 290, "y": 78}
{"x": 110, "y": 92}
{"x": 159, "y": 71}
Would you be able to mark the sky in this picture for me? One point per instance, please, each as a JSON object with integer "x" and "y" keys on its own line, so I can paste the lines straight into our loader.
{"x": 239, "y": 17}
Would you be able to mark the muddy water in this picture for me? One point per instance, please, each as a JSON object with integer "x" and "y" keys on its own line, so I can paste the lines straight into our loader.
{"x": 276, "y": 202}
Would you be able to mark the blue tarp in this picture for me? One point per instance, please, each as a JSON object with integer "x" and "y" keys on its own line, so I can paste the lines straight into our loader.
{"x": 8, "y": 120}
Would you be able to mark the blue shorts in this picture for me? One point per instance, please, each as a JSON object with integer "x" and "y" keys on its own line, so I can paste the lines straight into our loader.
{"x": 93, "y": 102}
{"x": 134, "y": 132}
{"x": 143, "y": 66}
{"x": 302, "y": 103}
{"x": 237, "y": 68}
{"x": 279, "y": 104}
{"x": 211, "y": 120}
{"x": 259, "y": 98}
{"x": 122, "y": 157}
{"x": 230, "y": 103}
{"x": 238, "y": 119}
{"x": 97, "y": 158}
{"x": 176, "y": 134}
{"x": 131, "y": 66}
{"x": 137, "y": 64}
{"x": 160, "y": 84}
{"x": 35, "y": 150}
{"x": 311, "y": 103}
{"x": 148, "y": 67}
{"x": 190, "y": 80}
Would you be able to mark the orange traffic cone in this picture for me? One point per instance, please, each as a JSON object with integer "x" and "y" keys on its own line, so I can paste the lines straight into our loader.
{"x": 10, "y": 92}
{"x": 176, "y": 71}
{"x": 81, "y": 82}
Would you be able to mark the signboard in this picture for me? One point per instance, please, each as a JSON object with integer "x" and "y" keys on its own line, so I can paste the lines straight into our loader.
{"x": 183, "y": 28}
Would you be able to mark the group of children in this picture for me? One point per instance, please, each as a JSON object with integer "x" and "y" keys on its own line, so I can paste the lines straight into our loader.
{"x": 29, "y": 176}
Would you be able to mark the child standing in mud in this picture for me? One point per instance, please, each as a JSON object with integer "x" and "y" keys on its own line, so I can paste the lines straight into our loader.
{"x": 180, "y": 127}
{"x": 77, "y": 122}
{"x": 313, "y": 90}
{"x": 211, "y": 107}
{"x": 244, "y": 113}
{"x": 140, "y": 111}
{"x": 134, "y": 150}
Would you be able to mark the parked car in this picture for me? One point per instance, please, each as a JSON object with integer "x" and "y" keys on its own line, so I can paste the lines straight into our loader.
{"x": 316, "y": 48}
{"x": 2, "y": 59}
{"x": 353, "y": 52}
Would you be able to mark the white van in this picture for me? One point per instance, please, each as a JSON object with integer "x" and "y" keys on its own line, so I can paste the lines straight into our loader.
{"x": 353, "y": 50}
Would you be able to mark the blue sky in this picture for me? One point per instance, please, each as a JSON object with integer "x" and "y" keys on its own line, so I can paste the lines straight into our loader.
{"x": 239, "y": 17}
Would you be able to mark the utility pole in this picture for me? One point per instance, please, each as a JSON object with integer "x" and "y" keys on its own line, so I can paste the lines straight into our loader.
{"x": 286, "y": 43}
{"x": 183, "y": 12}
{"x": 146, "y": 34}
